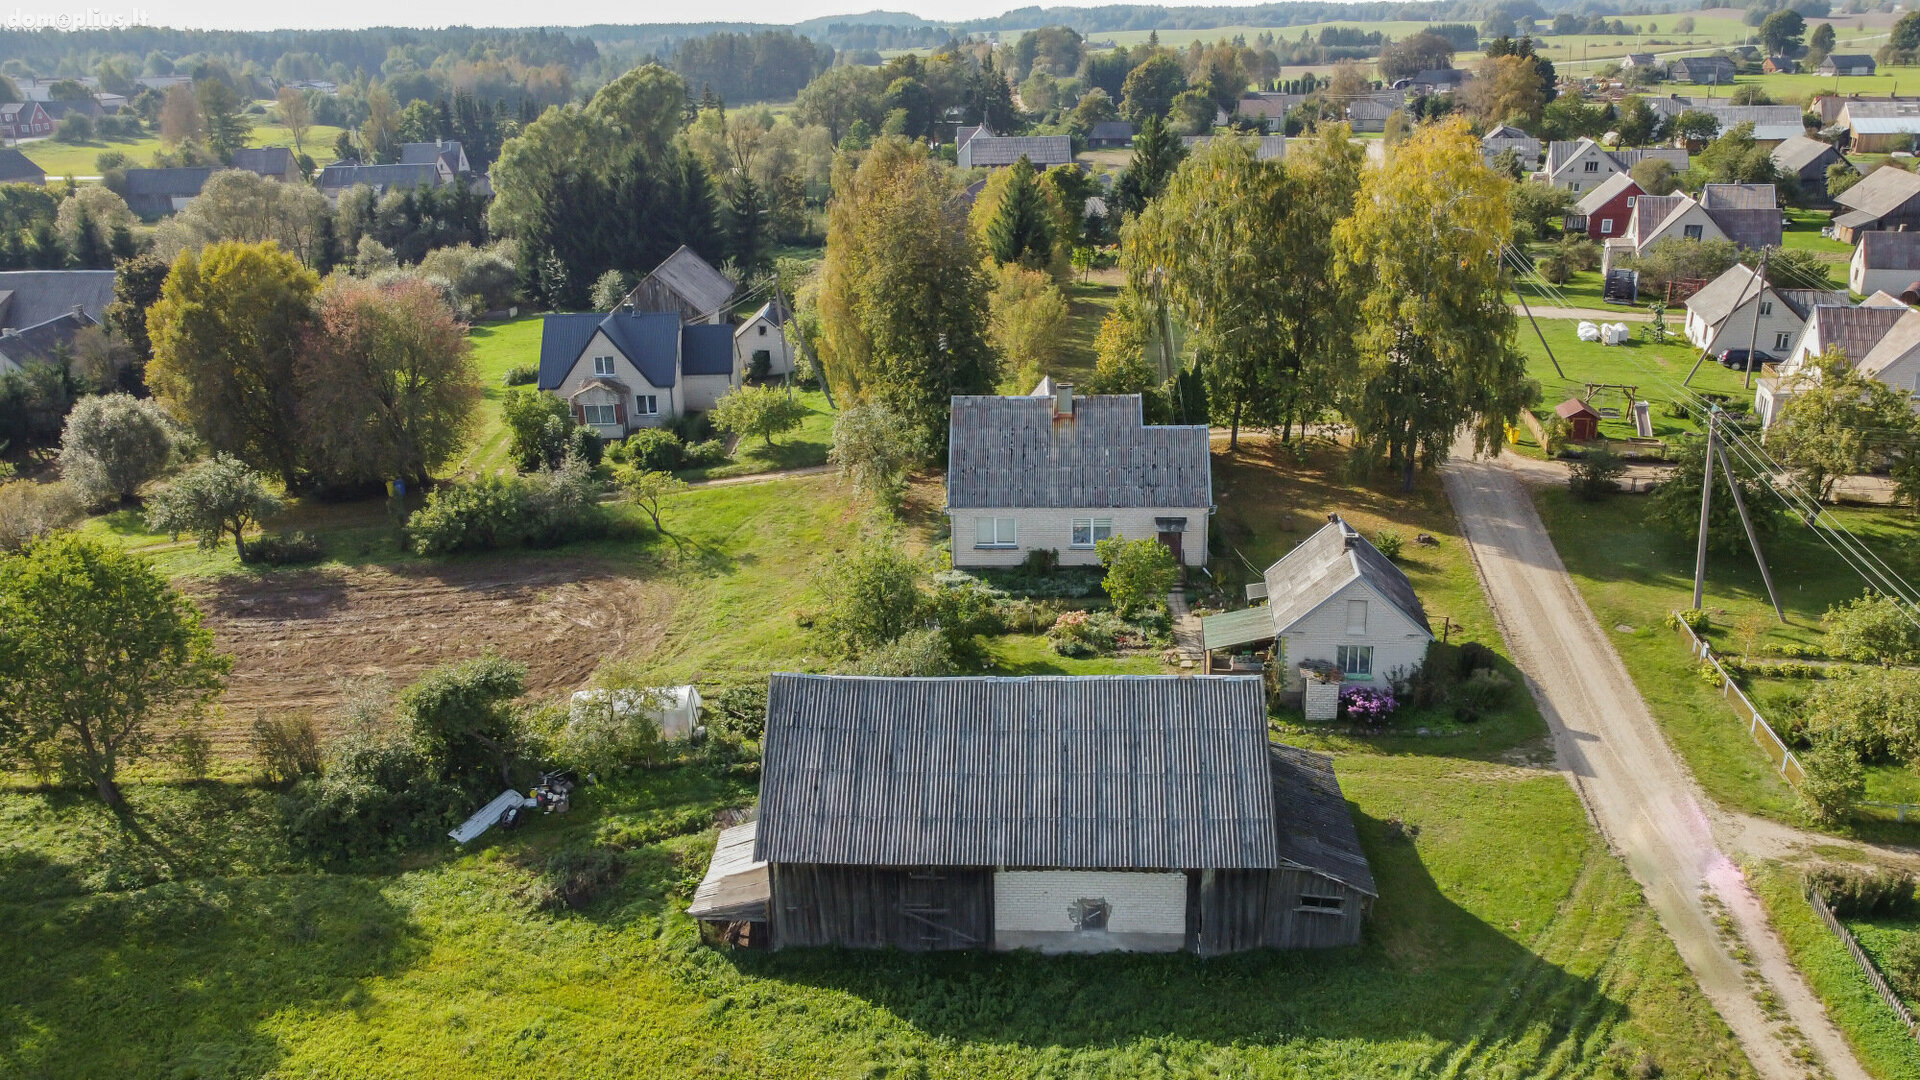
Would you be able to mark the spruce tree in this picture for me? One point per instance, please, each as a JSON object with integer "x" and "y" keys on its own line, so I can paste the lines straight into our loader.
{"x": 695, "y": 220}
{"x": 746, "y": 224}
{"x": 1020, "y": 231}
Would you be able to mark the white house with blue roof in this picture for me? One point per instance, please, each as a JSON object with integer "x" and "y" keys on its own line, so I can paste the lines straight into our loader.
{"x": 635, "y": 369}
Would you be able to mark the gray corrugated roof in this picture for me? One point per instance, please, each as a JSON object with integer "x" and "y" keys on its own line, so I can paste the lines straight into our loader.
{"x": 1328, "y": 561}
{"x": 1839, "y": 61}
{"x": 1314, "y": 827}
{"x": 1044, "y": 151}
{"x": 379, "y": 177}
{"x": 1881, "y": 192}
{"x": 265, "y": 160}
{"x": 1132, "y": 772}
{"x": 1884, "y": 250}
{"x": 1013, "y": 452}
{"x": 1739, "y": 197}
{"x": 1802, "y": 152}
{"x": 1856, "y": 330}
{"x": 693, "y": 279}
{"x": 1896, "y": 345}
{"x": 1756, "y": 229}
{"x": 176, "y": 183}
{"x": 40, "y": 295}
{"x": 1718, "y": 298}
{"x": 1111, "y": 129}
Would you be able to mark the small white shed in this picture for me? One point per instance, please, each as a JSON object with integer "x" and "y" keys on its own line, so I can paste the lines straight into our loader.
{"x": 676, "y": 709}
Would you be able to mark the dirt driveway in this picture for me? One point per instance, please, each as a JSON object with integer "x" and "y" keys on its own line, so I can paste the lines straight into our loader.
{"x": 295, "y": 636}
{"x": 1643, "y": 798}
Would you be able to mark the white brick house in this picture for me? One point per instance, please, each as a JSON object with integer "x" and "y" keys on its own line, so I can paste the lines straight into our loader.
{"x": 1334, "y": 599}
{"x": 1055, "y": 471}
{"x": 763, "y": 337}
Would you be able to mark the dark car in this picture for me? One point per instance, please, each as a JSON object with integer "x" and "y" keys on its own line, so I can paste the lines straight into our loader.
{"x": 1742, "y": 360}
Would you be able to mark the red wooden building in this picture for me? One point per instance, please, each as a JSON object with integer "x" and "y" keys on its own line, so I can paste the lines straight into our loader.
{"x": 1605, "y": 211}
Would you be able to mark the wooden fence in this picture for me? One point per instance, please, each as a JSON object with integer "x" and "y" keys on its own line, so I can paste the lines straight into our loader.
{"x": 1860, "y": 957}
{"x": 1784, "y": 761}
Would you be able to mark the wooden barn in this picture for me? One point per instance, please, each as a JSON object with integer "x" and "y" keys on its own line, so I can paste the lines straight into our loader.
{"x": 1062, "y": 814}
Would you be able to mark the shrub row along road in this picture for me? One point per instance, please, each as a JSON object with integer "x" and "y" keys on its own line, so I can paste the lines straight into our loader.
{"x": 1642, "y": 797}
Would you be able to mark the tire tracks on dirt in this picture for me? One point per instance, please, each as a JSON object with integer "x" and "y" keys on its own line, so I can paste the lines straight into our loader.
{"x": 1639, "y": 794}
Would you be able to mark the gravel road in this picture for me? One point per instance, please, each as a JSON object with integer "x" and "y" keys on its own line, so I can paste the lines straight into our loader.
{"x": 1639, "y": 793}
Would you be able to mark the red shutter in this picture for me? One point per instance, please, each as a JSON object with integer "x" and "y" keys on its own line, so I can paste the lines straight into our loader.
{"x": 579, "y": 414}
{"x": 620, "y": 413}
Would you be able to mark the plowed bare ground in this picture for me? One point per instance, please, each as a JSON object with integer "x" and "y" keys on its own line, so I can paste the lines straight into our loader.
{"x": 295, "y": 637}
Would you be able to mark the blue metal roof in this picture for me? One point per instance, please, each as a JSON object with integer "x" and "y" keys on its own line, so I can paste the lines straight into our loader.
{"x": 706, "y": 349}
{"x": 648, "y": 339}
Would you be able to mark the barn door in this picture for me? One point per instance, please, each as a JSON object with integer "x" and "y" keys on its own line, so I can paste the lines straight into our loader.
{"x": 928, "y": 917}
{"x": 1172, "y": 540}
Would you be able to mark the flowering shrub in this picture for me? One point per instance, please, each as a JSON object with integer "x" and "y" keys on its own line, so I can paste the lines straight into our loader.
{"x": 1087, "y": 633}
{"x": 1368, "y": 705}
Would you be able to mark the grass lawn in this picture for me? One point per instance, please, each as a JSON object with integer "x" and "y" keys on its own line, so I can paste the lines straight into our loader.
{"x": 81, "y": 159}
{"x": 1878, "y": 1038}
{"x": 801, "y": 448}
{"x": 497, "y": 346}
{"x": 1657, "y": 370}
{"x": 1632, "y": 576}
{"x": 1088, "y": 306}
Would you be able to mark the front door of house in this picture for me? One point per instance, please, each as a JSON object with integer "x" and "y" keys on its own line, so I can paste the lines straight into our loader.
{"x": 1172, "y": 540}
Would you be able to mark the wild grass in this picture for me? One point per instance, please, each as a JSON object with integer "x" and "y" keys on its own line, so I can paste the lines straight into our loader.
{"x": 61, "y": 159}
{"x": 1633, "y": 575}
{"x": 1878, "y": 1038}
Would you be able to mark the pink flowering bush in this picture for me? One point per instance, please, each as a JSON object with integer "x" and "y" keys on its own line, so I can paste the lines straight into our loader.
{"x": 1367, "y": 705}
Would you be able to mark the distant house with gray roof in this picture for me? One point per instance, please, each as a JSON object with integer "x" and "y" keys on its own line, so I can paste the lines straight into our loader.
{"x": 1059, "y": 814}
{"x": 1334, "y": 600}
{"x": 1580, "y": 165}
{"x": 446, "y": 152}
{"x": 628, "y": 370}
{"x": 1846, "y": 64}
{"x": 687, "y": 284}
{"x": 1701, "y": 70}
{"x": 1888, "y": 198}
{"x": 272, "y": 162}
{"x": 42, "y": 310}
{"x": 1504, "y": 137}
{"x": 1733, "y": 309}
{"x": 1060, "y": 472}
{"x": 1807, "y": 160}
{"x": 986, "y": 150}
{"x": 337, "y": 180}
{"x": 1110, "y": 134}
{"x": 15, "y": 168}
{"x": 1884, "y": 261}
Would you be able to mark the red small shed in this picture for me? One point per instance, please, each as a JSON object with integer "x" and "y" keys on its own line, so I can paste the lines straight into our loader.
{"x": 1583, "y": 420}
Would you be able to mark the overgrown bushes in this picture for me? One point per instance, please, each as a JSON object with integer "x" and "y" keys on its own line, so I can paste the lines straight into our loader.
{"x": 541, "y": 510}
{"x": 662, "y": 450}
{"x": 1857, "y": 893}
{"x": 286, "y": 549}
{"x": 1465, "y": 678}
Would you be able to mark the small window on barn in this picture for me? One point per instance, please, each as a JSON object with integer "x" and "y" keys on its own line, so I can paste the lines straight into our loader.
{"x": 1331, "y": 905}
{"x": 1606, "y": 226}
{"x": 1356, "y": 616}
{"x": 1090, "y": 914}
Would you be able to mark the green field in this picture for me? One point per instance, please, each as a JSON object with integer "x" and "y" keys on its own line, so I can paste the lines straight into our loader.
{"x": 1878, "y": 1038}
{"x": 1507, "y": 940}
{"x": 81, "y": 159}
{"x": 1658, "y": 372}
{"x": 1632, "y": 576}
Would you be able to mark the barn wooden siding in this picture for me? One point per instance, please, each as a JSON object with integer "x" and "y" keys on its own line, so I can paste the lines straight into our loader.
{"x": 1239, "y": 910}
{"x": 654, "y": 295}
{"x": 916, "y": 909}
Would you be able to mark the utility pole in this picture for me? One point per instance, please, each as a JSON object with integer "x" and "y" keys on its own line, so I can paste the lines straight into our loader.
{"x": 1706, "y": 505}
{"x": 1753, "y": 339}
{"x": 1753, "y": 539}
{"x": 1536, "y": 329}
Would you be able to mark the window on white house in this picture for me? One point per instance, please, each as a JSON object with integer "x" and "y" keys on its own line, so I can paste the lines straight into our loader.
{"x": 1356, "y": 616}
{"x": 1593, "y": 166}
{"x": 1356, "y": 660}
{"x": 995, "y": 532}
{"x": 1782, "y": 341}
{"x": 646, "y": 404}
{"x": 1606, "y": 226}
{"x": 603, "y": 365}
{"x": 1692, "y": 232}
{"x": 1088, "y": 531}
{"x": 1766, "y": 307}
{"x": 601, "y": 415}
{"x": 763, "y": 329}
{"x": 1332, "y": 905}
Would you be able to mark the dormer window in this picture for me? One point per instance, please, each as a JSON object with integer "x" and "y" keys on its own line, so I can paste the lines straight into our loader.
{"x": 603, "y": 365}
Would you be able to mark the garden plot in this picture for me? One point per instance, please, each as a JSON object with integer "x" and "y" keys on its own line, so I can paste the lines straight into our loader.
{"x": 295, "y": 637}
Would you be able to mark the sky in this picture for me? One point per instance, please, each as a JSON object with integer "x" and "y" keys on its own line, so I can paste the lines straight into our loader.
{"x": 353, "y": 14}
